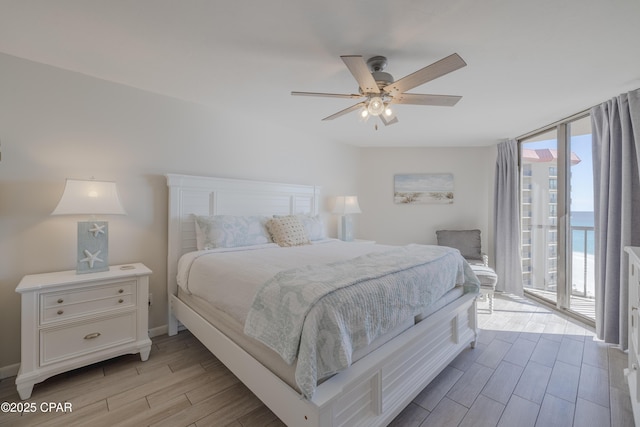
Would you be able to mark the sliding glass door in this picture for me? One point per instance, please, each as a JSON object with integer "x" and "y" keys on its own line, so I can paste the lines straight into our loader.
{"x": 581, "y": 219}
{"x": 539, "y": 211}
{"x": 557, "y": 216}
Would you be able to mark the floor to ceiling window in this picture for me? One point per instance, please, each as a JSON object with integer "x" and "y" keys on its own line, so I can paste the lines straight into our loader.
{"x": 557, "y": 216}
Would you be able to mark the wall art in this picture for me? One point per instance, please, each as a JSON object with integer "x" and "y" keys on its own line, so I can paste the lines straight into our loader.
{"x": 418, "y": 188}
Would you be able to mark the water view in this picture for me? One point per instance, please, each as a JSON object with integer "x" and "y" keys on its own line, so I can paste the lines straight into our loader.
{"x": 583, "y": 248}
{"x": 555, "y": 170}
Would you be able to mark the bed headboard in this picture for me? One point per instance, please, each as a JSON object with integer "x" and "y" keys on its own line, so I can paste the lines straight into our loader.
{"x": 201, "y": 195}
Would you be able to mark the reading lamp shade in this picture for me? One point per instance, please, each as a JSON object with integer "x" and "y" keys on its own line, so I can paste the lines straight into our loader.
{"x": 92, "y": 197}
{"x": 346, "y": 205}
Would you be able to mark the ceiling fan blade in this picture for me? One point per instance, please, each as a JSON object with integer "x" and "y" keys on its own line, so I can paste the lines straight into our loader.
{"x": 328, "y": 95}
{"x": 345, "y": 111}
{"x": 361, "y": 73}
{"x": 388, "y": 121}
{"x": 430, "y": 72}
{"x": 424, "y": 99}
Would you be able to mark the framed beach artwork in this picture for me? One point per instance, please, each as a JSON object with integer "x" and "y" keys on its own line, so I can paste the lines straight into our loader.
{"x": 418, "y": 188}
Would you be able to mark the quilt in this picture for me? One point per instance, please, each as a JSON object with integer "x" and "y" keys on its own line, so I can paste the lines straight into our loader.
{"x": 320, "y": 314}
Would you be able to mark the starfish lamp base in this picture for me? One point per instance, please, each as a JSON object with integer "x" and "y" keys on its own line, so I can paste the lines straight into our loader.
{"x": 93, "y": 247}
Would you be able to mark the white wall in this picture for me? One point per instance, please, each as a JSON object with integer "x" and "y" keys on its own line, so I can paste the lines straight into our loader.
{"x": 386, "y": 222}
{"x": 56, "y": 124}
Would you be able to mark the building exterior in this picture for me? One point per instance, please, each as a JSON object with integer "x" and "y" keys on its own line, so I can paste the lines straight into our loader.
{"x": 539, "y": 213}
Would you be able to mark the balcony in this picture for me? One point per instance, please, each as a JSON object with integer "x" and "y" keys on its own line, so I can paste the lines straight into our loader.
{"x": 583, "y": 261}
{"x": 538, "y": 263}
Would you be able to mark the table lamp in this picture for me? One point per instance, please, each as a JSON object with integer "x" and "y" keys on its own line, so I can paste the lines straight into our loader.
{"x": 91, "y": 197}
{"x": 345, "y": 206}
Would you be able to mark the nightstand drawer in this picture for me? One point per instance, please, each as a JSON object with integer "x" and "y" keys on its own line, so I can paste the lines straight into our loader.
{"x": 67, "y": 311}
{"x": 55, "y": 299}
{"x": 67, "y": 343}
{"x": 69, "y": 304}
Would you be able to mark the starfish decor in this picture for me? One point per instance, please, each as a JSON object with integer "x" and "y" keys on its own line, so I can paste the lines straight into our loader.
{"x": 91, "y": 258}
{"x": 97, "y": 229}
{"x": 93, "y": 247}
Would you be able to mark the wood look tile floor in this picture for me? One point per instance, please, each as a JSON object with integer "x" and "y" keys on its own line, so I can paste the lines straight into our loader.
{"x": 531, "y": 367}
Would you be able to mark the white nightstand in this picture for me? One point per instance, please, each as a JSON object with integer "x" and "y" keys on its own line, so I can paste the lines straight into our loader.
{"x": 71, "y": 320}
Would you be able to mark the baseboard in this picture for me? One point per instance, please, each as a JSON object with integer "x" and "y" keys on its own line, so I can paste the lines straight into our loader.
{"x": 160, "y": 330}
{"x": 9, "y": 371}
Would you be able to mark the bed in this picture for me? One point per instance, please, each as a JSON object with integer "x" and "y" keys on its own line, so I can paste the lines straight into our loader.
{"x": 382, "y": 378}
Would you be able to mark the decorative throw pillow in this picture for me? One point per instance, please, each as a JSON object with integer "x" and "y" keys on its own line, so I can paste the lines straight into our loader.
{"x": 287, "y": 231}
{"x": 229, "y": 231}
{"x": 313, "y": 225}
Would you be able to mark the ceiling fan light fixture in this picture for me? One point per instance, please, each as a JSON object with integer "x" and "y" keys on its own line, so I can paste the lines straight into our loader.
{"x": 380, "y": 90}
{"x": 375, "y": 106}
{"x": 364, "y": 114}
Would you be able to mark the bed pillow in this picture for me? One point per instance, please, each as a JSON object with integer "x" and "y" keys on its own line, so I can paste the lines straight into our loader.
{"x": 314, "y": 227}
{"x": 230, "y": 231}
{"x": 312, "y": 224}
{"x": 287, "y": 231}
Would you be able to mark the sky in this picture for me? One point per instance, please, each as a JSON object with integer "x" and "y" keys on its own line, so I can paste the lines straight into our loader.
{"x": 582, "y": 175}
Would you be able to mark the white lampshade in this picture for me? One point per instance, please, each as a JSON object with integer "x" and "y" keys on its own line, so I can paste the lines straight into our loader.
{"x": 346, "y": 205}
{"x": 89, "y": 197}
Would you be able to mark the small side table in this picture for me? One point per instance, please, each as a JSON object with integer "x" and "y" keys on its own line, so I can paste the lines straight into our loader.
{"x": 71, "y": 320}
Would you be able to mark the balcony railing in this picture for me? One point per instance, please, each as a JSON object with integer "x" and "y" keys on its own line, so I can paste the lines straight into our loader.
{"x": 587, "y": 273}
{"x": 582, "y": 258}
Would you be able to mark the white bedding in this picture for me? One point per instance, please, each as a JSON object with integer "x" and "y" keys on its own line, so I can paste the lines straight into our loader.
{"x": 229, "y": 279}
{"x": 245, "y": 269}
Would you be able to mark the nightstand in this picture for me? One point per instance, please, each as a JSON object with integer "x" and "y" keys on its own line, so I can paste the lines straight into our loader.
{"x": 71, "y": 320}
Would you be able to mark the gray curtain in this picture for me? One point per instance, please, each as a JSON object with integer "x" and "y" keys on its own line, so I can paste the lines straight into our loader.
{"x": 616, "y": 159}
{"x": 507, "y": 219}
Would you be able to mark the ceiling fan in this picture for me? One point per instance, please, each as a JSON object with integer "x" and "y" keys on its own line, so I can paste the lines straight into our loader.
{"x": 380, "y": 91}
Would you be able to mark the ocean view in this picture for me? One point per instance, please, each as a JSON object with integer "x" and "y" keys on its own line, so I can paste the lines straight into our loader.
{"x": 583, "y": 273}
{"x": 583, "y": 219}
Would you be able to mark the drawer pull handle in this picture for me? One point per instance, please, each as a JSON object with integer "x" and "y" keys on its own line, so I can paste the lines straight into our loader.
{"x": 92, "y": 336}
{"x": 120, "y": 301}
{"x": 60, "y": 301}
{"x": 60, "y": 311}
{"x": 120, "y": 291}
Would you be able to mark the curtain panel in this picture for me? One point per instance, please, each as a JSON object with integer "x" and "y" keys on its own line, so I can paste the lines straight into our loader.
{"x": 507, "y": 219}
{"x": 616, "y": 160}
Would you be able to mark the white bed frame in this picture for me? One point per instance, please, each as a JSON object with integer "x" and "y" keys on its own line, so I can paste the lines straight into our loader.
{"x": 375, "y": 389}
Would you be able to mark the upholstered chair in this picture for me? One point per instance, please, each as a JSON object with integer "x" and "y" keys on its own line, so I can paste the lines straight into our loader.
{"x": 469, "y": 243}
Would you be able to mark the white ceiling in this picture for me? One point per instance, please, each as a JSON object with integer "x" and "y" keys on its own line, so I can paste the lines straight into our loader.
{"x": 530, "y": 63}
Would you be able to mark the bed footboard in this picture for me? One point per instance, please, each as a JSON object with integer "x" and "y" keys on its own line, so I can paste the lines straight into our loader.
{"x": 372, "y": 391}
